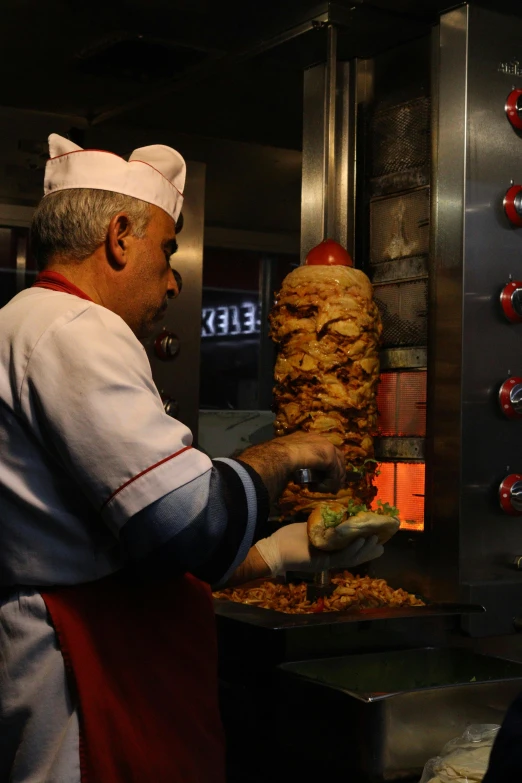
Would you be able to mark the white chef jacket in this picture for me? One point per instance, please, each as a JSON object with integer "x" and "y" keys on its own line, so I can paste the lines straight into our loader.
{"x": 85, "y": 449}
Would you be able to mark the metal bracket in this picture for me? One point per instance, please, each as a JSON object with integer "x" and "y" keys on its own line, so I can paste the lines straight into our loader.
{"x": 403, "y": 358}
{"x": 400, "y": 449}
{"x": 402, "y": 269}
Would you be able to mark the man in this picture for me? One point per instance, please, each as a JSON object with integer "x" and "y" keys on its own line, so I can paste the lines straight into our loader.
{"x": 112, "y": 525}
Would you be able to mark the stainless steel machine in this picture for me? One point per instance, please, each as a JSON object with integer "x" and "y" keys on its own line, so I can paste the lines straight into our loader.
{"x": 417, "y": 168}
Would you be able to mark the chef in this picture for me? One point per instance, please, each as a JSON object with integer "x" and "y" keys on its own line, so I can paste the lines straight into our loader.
{"x": 112, "y": 525}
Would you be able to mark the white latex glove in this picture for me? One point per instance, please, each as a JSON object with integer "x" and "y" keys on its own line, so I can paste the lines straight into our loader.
{"x": 288, "y": 549}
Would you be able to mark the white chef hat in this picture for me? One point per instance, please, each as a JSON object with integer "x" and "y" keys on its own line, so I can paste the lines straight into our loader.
{"x": 155, "y": 174}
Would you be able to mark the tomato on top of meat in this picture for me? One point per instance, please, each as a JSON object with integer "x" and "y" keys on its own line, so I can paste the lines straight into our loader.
{"x": 328, "y": 253}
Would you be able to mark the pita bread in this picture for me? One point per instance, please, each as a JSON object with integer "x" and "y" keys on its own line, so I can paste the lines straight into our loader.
{"x": 361, "y": 525}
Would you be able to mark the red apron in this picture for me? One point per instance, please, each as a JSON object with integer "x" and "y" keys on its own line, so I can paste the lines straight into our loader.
{"x": 143, "y": 661}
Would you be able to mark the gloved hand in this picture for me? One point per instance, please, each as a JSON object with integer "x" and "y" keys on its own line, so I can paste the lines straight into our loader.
{"x": 288, "y": 549}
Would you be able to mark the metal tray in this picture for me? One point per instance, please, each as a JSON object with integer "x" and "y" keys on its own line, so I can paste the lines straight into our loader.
{"x": 383, "y": 715}
{"x": 269, "y": 619}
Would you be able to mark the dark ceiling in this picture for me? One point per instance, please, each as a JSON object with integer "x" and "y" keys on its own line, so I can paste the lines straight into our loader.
{"x": 188, "y": 64}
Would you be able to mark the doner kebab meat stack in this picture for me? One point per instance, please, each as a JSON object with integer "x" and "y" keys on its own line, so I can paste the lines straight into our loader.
{"x": 328, "y": 329}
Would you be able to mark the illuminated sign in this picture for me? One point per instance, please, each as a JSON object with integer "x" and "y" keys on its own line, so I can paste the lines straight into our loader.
{"x": 231, "y": 320}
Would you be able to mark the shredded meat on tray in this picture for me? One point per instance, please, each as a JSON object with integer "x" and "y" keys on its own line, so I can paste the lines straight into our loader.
{"x": 351, "y": 592}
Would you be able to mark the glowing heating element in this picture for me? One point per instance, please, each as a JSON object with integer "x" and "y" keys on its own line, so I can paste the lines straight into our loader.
{"x": 402, "y": 485}
{"x": 401, "y": 402}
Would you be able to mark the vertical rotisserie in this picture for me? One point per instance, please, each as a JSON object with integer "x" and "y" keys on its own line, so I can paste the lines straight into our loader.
{"x": 327, "y": 329}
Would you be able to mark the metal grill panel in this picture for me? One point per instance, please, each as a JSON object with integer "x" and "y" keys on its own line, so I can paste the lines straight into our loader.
{"x": 401, "y": 402}
{"x": 400, "y": 147}
{"x": 399, "y": 251}
{"x": 400, "y": 137}
{"x": 404, "y": 312}
{"x": 399, "y": 226}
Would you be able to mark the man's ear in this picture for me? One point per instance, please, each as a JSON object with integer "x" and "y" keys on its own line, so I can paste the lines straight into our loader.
{"x": 118, "y": 235}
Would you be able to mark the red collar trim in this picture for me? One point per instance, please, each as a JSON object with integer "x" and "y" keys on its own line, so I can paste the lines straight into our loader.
{"x": 54, "y": 281}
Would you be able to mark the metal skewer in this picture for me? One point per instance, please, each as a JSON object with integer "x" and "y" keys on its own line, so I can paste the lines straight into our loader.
{"x": 322, "y": 584}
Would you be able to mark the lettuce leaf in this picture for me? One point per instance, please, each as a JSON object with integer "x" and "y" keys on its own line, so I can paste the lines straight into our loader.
{"x": 362, "y": 468}
{"x": 330, "y": 517}
{"x": 354, "y": 508}
{"x": 386, "y": 509}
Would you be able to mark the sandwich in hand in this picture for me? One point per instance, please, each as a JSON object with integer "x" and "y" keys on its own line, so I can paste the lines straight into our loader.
{"x": 333, "y": 526}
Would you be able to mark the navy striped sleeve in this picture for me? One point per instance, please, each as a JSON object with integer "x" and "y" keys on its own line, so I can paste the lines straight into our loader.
{"x": 263, "y": 500}
{"x": 205, "y": 527}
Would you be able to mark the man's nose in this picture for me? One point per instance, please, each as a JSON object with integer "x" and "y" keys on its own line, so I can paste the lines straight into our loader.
{"x": 175, "y": 284}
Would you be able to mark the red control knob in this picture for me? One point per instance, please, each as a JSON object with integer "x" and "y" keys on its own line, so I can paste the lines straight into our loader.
{"x": 510, "y": 398}
{"x": 511, "y": 301}
{"x": 513, "y": 204}
{"x": 510, "y": 495}
{"x": 514, "y": 108}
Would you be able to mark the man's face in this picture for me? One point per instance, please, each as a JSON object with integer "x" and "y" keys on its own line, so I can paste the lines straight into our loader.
{"x": 153, "y": 281}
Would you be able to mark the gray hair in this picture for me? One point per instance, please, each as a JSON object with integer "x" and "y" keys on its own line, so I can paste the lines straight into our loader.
{"x": 73, "y": 223}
